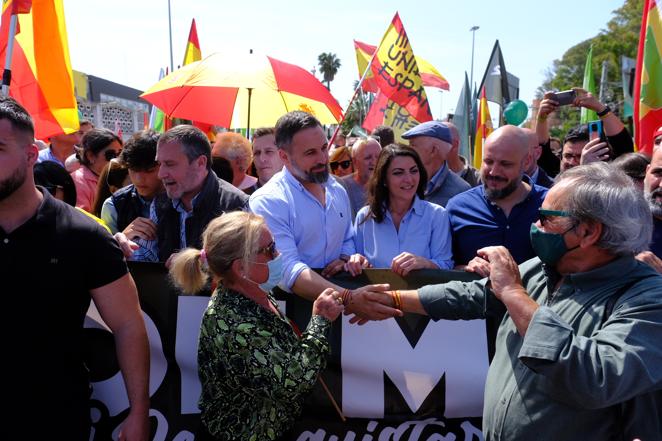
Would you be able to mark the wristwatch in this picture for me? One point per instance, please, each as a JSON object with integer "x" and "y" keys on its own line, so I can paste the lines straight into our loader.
{"x": 605, "y": 111}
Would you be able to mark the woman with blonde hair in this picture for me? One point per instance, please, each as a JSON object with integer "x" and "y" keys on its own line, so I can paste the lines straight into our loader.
{"x": 255, "y": 371}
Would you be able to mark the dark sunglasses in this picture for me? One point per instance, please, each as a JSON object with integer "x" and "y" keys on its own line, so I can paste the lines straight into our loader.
{"x": 343, "y": 164}
{"x": 544, "y": 215}
{"x": 269, "y": 250}
{"x": 110, "y": 154}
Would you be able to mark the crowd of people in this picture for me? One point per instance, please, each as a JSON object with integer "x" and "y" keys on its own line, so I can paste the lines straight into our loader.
{"x": 568, "y": 245}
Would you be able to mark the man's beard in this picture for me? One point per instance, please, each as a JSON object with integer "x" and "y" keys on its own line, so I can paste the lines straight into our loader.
{"x": 655, "y": 205}
{"x": 12, "y": 183}
{"x": 495, "y": 194}
{"x": 319, "y": 177}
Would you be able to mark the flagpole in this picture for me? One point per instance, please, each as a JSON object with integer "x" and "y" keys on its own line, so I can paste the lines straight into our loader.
{"x": 6, "y": 74}
{"x": 473, "y": 43}
{"x": 356, "y": 92}
{"x": 172, "y": 64}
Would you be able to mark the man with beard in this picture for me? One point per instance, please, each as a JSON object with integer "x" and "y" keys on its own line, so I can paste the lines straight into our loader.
{"x": 653, "y": 189}
{"x": 310, "y": 215}
{"x": 578, "y": 355}
{"x": 54, "y": 259}
{"x": 498, "y": 212}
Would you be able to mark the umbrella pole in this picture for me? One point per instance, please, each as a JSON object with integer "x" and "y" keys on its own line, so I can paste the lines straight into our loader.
{"x": 248, "y": 122}
{"x": 6, "y": 74}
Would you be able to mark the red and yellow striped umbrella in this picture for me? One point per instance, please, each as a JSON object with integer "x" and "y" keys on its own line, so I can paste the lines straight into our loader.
{"x": 225, "y": 89}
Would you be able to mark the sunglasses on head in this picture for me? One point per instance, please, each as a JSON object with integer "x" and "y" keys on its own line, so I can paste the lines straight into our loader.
{"x": 342, "y": 164}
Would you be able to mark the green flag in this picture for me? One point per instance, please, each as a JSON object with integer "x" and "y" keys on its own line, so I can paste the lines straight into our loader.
{"x": 588, "y": 85}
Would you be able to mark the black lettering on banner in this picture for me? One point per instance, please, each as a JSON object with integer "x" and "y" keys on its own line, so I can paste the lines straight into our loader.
{"x": 172, "y": 412}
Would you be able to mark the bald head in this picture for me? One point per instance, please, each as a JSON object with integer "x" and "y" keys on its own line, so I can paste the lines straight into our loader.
{"x": 505, "y": 154}
{"x": 509, "y": 140}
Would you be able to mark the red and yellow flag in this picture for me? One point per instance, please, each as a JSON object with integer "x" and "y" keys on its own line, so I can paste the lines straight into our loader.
{"x": 429, "y": 74}
{"x": 483, "y": 129}
{"x": 41, "y": 71}
{"x": 396, "y": 72}
{"x": 192, "y": 52}
{"x": 386, "y": 112}
{"x": 648, "y": 77}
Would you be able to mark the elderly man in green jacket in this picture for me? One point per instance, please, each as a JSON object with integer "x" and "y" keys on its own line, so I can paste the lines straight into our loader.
{"x": 578, "y": 352}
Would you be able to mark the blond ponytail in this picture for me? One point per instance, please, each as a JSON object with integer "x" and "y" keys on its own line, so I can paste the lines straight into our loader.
{"x": 187, "y": 272}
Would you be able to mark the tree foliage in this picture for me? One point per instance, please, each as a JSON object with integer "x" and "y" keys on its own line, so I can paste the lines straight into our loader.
{"x": 329, "y": 65}
{"x": 619, "y": 38}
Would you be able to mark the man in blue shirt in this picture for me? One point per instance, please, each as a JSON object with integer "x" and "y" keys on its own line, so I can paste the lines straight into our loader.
{"x": 501, "y": 210}
{"x": 432, "y": 141}
{"x": 308, "y": 213}
{"x": 498, "y": 212}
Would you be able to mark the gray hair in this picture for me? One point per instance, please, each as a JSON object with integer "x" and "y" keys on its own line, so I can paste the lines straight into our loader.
{"x": 601, "y": 193}
{"x": 193, "y": 141}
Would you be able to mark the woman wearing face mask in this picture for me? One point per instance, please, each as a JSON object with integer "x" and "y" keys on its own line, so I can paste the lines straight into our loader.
{"x": 99, "y": 146}
{"x": 255, "y": 371}
{"x": 398, "y": 229}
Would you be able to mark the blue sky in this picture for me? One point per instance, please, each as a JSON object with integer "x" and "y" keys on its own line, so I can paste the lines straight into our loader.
{"x": 127, "y": 41}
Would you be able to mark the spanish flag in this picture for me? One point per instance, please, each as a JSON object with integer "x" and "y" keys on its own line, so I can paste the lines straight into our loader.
{"x": 483, "y": 129}
{"x": 396, "y": 72}
{"x": 192, "y": 52}
{"x": 41, "y": 71}
{"x": 429, "y": 74}
{"x": 648, "y": 77}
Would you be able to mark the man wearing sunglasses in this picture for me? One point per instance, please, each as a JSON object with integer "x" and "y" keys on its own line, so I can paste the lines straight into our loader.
{"x": 578, "y": 355}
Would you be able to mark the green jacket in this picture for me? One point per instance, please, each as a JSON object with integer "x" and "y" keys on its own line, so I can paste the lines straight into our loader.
{"x": 254, "y": 370}
{"x": 572, "y": 377}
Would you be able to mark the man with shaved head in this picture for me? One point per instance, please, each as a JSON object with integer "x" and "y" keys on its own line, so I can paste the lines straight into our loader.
{"x": 536, "y": 174}
{"x": 501, "y": 210}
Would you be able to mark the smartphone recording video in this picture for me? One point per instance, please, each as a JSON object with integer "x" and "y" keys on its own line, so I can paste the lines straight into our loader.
{"x": 566, "y": 97}
{"x": 595, "y": 130}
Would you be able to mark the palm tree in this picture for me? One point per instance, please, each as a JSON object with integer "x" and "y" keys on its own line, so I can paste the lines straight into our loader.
{"x": 329, "y": 65}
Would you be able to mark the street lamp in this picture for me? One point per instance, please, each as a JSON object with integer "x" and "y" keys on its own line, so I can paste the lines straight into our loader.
{"x": 473, "y": 41}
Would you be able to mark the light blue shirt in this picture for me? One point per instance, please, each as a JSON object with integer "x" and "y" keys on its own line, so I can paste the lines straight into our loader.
{"x": 307, "y": 233}
{"x": 424, "y": 231}
{"x": 47, "y": 155}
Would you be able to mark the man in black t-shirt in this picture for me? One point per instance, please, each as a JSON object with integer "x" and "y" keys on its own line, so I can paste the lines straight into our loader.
{"x": 53, "y": 260}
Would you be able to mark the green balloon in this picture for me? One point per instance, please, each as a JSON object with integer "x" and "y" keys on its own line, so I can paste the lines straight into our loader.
{"x": 515, "y": 112}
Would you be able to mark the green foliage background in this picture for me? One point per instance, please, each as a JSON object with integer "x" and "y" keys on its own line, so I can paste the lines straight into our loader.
{"x": 619, "y": 38}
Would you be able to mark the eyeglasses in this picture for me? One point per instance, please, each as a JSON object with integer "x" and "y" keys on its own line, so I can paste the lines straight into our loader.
{"x": 544, "y": 214}
{"x": 342, "y": 164}
{"x": 269, "y": 250}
